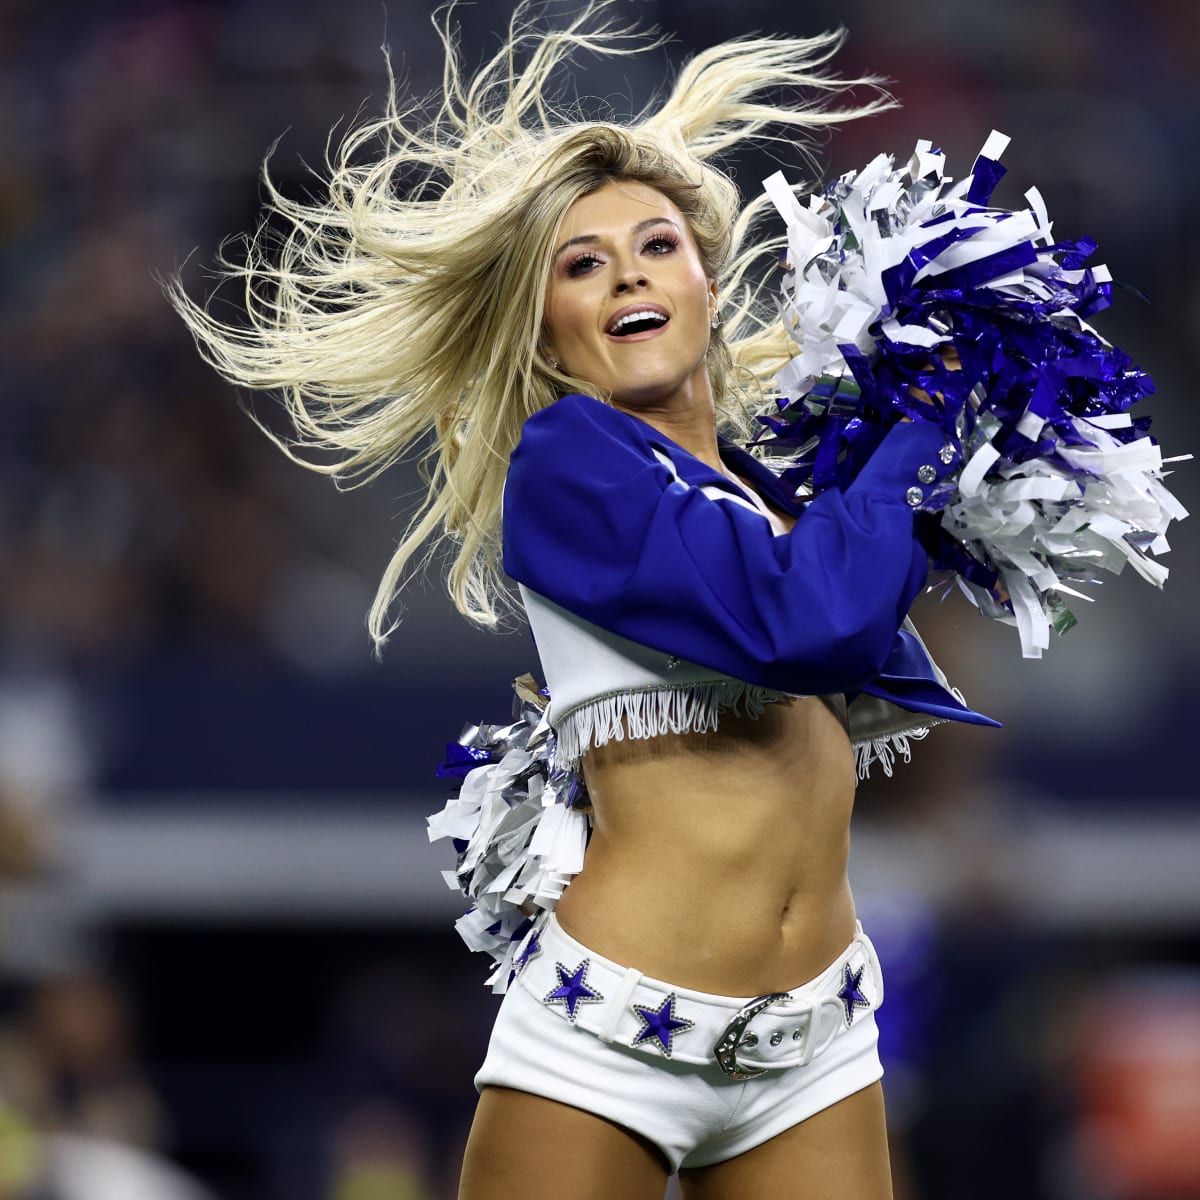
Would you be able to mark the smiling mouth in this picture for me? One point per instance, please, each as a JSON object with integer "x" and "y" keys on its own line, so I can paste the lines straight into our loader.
{"x": 631, "y": 324}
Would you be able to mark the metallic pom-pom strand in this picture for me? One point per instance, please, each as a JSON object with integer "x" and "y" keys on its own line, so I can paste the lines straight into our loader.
{"x": 518, "y": 824}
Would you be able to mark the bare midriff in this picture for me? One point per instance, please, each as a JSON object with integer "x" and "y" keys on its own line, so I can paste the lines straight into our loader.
{"x": 718, "y": 861}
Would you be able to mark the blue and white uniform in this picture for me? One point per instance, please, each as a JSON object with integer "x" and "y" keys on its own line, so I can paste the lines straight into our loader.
{"x": 659, "y": 598}
{"x": 646, "y": 574}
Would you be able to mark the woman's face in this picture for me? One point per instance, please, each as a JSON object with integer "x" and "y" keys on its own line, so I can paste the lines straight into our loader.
{"x": 628, "y": 304}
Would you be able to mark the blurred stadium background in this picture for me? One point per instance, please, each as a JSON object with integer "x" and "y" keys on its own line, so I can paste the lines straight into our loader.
{"x": 227, "y": 967}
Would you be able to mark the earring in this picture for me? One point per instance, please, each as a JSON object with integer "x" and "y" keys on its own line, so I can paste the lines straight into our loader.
{"x": 554, "y": 364}
{"x": 716, "y": 318}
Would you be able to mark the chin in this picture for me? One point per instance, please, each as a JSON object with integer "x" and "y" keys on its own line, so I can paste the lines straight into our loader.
{"x": 647, "y": 390}
{"x": 644, "y": 394}
{"x": 649, "y": 386}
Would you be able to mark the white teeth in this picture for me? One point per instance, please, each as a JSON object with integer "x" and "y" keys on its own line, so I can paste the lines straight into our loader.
{"x": 640, "y": 314}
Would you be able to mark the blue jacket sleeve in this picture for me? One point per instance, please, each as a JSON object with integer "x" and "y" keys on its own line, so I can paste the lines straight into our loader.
{"x": 596, "y": 523}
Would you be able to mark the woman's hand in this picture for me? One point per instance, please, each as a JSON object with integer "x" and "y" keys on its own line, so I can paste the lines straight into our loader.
{"x": 949, "y": 357}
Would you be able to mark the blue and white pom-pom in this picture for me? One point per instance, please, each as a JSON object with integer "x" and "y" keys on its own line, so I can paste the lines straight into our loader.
{"x": 908, "y": 296}
{"x": 517, "y": 824}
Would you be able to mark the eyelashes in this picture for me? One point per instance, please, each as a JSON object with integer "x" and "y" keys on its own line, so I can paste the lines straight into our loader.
{"x": 666, "y": 242}
{"x": 657, "y": 244}
{"x": 581, "y": 264}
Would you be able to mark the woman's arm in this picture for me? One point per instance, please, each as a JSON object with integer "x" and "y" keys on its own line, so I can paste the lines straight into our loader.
{"x": 594, "y": 522}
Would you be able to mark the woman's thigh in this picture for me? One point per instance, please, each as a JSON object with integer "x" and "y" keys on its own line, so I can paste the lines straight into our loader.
{"x": 537, "y": 1149}
{"x": 838, "y": 1152}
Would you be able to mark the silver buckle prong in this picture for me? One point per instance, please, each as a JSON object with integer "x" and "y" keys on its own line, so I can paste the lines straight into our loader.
{"x": 727, "y": 1044}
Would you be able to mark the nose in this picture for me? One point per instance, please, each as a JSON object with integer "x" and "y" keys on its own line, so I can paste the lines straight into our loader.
{"x": 628, "y": 279}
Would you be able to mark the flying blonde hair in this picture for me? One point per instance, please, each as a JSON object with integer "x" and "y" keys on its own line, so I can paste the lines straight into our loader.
{"x": 409, "y": 301}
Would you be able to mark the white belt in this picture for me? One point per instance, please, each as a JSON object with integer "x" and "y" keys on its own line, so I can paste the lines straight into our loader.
{"x": 744, "y": 1036}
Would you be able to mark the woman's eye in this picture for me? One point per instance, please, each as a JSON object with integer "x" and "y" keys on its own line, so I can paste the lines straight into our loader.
{"x": 581, "y": 265}
{"x": 660, "y": 243}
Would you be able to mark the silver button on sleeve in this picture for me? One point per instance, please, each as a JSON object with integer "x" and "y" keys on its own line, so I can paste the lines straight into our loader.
{"x": 946, "y": 454}
{"x": 914, "y": 496}
{"x": 927, "y": 473}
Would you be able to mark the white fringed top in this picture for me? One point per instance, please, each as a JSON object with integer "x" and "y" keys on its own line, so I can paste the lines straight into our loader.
{"x": 604, "y": 687}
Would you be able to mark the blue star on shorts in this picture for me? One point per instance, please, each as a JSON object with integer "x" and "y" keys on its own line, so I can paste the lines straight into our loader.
{"x": 851, "y": 994}
{"x": 660, "y": 1025}
{"x": 533, "y": 948}
{"x": 572, "y": 990}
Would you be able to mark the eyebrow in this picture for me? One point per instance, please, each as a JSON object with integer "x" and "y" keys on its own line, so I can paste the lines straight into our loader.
{"x": 590, "y": 239}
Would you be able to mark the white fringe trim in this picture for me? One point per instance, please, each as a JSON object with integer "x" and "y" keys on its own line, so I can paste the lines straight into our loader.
{"x": 886, "y": 750}
{"x": 652, "y": 712}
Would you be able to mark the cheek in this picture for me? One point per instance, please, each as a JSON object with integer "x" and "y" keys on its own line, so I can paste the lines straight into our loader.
{"x": 692, "y": 284}
{"x": 702, "y": 285}
{"x": 562, "y": 318}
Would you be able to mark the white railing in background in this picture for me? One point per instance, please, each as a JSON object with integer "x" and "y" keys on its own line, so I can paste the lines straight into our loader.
{"x": 241, "y": 859}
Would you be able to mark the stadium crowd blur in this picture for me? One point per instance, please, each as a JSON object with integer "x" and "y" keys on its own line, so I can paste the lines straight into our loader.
{"x": 183, "y": 658}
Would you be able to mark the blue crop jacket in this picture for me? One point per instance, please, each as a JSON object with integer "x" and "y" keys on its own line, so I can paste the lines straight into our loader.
{"x": 596, "y": 521}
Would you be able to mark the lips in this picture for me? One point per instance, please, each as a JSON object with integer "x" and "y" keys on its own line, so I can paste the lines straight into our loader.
{"x": 636, "y": 321}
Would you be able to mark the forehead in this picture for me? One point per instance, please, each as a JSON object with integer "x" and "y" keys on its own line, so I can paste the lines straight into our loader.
{"x": 616, "y": 208}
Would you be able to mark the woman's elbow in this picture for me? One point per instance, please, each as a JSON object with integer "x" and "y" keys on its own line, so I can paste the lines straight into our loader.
{"x": 842, "y": 657}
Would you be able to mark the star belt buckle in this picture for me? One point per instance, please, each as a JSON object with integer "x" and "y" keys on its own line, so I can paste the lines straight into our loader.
{"x": 731, "y": 1037}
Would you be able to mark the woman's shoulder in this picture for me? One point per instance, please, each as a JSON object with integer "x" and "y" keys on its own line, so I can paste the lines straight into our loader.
{"x": 578, "y": 412}
{"x": 578, "y": 432}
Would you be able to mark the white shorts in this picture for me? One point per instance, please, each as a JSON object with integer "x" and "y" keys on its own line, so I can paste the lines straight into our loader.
{"x": 577, "y": 1028}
